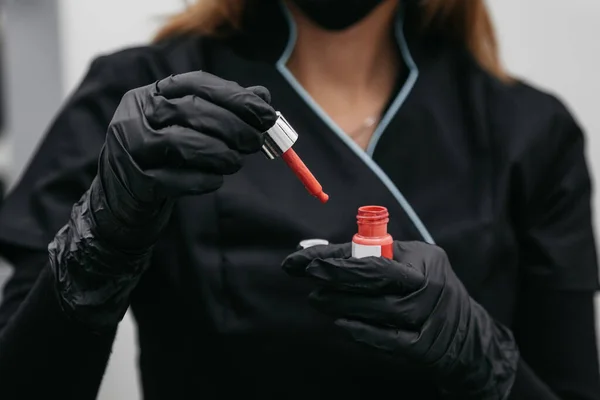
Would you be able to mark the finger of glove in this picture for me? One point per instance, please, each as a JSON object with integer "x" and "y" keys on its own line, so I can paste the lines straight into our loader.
{"x": 420, "y": 255}
{"x": 381, "y": 310}
{"x": 295, "y": 264}
{"x": 390, "y": 340}
{"x": 244, "y": 103}
{"x": 177, "y": 182}
{"x": 203, "y": 116}
{"x": 180, "y": 147}
{"x": 366, "y": 275}
{"x": 261, "y": 92}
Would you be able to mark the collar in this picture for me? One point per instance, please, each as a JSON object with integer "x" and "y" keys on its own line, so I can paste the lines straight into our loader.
{"x": 268, "y": 32}
{"x": 269, "y": 35}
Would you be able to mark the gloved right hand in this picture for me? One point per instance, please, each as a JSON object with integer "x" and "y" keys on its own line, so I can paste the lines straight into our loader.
{"x": 173, "y": 138}
{"x": 176, "y": 137}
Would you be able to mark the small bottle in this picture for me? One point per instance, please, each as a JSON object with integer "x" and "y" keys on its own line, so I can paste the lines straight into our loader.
{"x": 372, "y": 239}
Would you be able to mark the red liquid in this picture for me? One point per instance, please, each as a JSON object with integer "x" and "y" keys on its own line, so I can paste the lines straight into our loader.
{"x": 303, "y": 173}
{"x": 372, "y": 237}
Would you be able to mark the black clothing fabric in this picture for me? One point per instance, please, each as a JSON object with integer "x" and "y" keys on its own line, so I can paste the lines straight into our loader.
{"x": 492, "y": 173}
{"x": 47, "y": 367}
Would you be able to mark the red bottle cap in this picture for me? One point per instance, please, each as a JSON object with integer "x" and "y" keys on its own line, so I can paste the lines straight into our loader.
{"x": 372, "y": 221}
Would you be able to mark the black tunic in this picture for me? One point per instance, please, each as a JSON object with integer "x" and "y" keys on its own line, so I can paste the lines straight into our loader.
{"x": 493, "y": 173}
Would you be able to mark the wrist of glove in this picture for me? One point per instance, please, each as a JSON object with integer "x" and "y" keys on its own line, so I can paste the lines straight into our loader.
{"x": 413, "y": 307}
{"x": 93, "y": 277}
{"x": 485, "y": 366}
{"x": 100, "y": 255}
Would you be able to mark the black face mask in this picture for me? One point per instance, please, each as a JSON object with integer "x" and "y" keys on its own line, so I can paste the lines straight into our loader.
{"x": 336, "y": 15}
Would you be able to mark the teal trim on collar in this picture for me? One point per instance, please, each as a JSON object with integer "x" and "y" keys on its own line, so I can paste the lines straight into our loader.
{"x": 366, "y": 157}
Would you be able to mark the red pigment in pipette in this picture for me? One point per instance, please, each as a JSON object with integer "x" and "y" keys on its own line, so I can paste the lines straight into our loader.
{"x": 303, "y": 173}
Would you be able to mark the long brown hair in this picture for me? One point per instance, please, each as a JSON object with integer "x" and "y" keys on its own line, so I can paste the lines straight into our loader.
{"x": 466, "y": 20}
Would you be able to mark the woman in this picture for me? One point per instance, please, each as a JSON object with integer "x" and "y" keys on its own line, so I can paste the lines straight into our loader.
{"x": 400, "y": 104}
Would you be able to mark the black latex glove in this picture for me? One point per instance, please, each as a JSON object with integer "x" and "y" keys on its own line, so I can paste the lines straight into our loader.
{"x": 176, "y": 137}
{"x": 413, "y": 307}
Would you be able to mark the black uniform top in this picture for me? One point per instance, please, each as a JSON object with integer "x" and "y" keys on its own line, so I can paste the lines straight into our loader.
{"x": 493, "y": 173}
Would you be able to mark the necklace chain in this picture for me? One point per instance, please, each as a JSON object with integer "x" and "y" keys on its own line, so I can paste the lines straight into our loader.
{"x": 369, "y": 122}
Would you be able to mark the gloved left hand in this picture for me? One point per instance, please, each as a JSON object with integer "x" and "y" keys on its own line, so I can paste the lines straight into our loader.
{"x": 413, "y": 306}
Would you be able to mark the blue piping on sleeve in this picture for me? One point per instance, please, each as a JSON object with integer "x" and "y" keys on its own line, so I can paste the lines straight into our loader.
{"x": 281, "y": 66}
